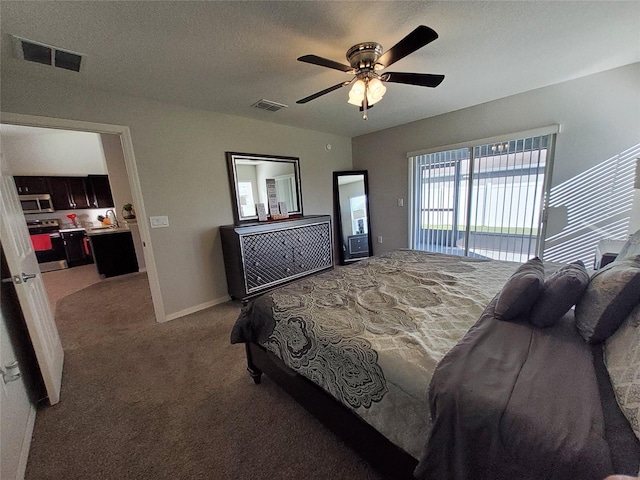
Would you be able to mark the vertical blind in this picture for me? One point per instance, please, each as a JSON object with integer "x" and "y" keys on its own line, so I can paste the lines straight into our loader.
{"x": 483, "y": 201}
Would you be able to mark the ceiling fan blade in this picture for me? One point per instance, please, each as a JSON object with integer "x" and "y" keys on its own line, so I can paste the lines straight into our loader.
{"x": 325, "y": 62}
{"x": 323, "y": 92}
{"x": 409, "y": 44}
{"x": 420, "y": 79}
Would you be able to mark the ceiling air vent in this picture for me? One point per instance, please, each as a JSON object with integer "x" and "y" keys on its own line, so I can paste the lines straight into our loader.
{"x": 45, "y": 54}
{"x": 269, "y": 105}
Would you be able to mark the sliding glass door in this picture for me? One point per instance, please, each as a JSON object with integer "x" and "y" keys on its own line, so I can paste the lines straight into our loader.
{"x": 481, "y": 201}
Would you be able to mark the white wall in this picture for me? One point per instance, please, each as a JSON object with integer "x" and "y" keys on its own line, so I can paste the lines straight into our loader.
{"x": 599, "y": 117}
{"x": 180, "y": 154}
{"x": 58, "y": 153}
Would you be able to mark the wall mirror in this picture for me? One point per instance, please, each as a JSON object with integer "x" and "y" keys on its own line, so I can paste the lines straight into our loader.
{"x": 353, "y": 226}
{"x": 253, "y": 177}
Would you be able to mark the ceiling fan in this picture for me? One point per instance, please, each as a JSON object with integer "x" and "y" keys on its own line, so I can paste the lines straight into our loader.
{"x": 366, "y": 60}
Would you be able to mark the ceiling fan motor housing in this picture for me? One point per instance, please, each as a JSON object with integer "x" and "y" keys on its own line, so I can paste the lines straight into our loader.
{"x": 363, "y": 56}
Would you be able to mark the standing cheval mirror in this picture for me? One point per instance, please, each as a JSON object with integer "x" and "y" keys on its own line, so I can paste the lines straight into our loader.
{"x": 353, "y": 226}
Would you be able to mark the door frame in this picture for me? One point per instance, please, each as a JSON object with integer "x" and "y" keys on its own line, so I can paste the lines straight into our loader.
{"x": 134, "y": 184}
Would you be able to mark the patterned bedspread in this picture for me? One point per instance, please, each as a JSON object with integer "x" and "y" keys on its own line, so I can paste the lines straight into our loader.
{"x": 372, "y": 333}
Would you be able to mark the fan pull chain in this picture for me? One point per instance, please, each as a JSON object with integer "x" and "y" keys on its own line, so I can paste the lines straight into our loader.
{"x": 365, "y": 102}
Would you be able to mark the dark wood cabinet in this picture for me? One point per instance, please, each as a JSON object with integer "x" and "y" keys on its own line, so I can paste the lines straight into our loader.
{"x": 60, "y": 193}
{"x": 114, "y": 253}
{"x": 31, "y": 185}
{"x": 69, "y": 193}
{"x": 77, "y": 248}
{"x": 78, "y": 192}
{"x": 258, "y": 257}
{"x": 99, "y": 191}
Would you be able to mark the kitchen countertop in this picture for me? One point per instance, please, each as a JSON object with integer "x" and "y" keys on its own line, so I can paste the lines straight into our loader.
{"x": 97, "y": 230}
{"x": 106, "y": 230}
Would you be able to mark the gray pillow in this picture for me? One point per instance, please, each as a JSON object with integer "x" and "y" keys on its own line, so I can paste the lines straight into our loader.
{"x": 559, "y": 293}
{"x": 521, "y": 290}
{"x": 631, "y": 248}
{"x": 611, "y": 295}
{"x": 622, "y": 357}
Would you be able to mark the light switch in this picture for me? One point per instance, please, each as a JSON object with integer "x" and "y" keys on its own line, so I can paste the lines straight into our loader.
{"x": 401, "y": 202}
{"x": 159, "y": 221}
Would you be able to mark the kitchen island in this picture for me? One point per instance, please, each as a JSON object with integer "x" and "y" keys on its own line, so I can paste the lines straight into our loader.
{"x": 113, "y": 250}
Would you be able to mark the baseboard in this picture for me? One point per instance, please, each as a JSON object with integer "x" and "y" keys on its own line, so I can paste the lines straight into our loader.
{"x": 197, "y": 308}
{"x": 26, "y": 444}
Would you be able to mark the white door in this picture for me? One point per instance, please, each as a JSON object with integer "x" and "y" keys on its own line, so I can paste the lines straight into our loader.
{"x": 17, "y": 414}
{"x": 32, "y": 295}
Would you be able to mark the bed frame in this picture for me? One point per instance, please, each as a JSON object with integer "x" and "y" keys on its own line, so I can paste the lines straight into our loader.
{"x": 387, "y": 458}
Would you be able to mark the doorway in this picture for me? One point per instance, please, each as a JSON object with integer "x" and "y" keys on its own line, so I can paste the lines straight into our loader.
{"x": 129, "y": 172}
{"x": 43, "y": 159}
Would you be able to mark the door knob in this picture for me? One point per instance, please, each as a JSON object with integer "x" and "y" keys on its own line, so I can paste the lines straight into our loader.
{"x": 10, "y": 372}
{"x": 27, "y": 276}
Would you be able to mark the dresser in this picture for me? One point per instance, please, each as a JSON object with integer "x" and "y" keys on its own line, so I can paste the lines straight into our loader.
{"x": 260, "y": 256}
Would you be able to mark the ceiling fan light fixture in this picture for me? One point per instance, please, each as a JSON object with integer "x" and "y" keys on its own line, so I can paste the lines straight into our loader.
{"x": 375, "y": 91}
{"x": 356, "y": 94}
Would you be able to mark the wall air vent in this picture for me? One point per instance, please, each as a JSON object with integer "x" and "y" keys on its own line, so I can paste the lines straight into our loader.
{"x": 38, "y": 52}
{"x": 269, "y": 105}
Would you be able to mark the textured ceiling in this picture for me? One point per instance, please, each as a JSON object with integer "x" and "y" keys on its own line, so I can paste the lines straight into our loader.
{"x": 225, "y": 56}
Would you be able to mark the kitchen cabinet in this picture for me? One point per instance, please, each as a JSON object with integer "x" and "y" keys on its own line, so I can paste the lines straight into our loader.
{"x": 77, "y": 248}
{"x": 68, "y": 193}
{"x": 114, "y": 253}
{"x": 31, "y": 185}
{"x": 99, "y": 191}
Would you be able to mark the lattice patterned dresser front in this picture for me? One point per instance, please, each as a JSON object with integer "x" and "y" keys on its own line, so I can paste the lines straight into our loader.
{"x": 261, "y": 256}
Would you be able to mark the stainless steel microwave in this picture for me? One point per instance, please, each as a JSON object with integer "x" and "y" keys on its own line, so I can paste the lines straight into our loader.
{"x": 36, "y": 203}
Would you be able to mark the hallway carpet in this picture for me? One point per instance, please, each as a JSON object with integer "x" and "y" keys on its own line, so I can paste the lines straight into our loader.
{"x": 142, "y": 400}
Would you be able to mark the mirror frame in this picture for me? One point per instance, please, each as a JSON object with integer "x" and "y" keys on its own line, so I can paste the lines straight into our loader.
{"x": 338, "y": 214}
{"x": 232, "y": 157}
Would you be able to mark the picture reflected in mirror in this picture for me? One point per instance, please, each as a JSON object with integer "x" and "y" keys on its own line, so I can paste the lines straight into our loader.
{"x": 264, "y": 179}
{"x": 352, "y": 215}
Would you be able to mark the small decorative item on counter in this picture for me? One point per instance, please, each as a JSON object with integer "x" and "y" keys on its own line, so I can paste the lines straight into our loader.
{"x": 128, "y": 212}
{"x": 104, "y": 220}
{"x": 72, "y": 217}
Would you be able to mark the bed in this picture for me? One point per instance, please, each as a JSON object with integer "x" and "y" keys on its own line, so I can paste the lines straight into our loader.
{"x": 358, "y": 345}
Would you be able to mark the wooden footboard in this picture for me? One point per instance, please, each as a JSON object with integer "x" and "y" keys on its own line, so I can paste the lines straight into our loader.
{"x": 389, "y": 459}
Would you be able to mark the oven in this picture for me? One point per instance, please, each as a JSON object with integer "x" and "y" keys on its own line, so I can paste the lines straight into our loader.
{"x": 48, "y": 244}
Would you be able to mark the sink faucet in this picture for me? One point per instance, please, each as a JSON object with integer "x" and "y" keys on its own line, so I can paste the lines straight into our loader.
{"x": 113, "y": 217}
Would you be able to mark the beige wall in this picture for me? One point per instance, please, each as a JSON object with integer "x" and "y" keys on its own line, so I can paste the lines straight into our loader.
{"x": 599, "y": 117}
{"x": 180, "y": 155}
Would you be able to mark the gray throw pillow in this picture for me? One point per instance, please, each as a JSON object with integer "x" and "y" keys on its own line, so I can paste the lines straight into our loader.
{"x": 611, "y": 295}
{"x": 559, "y": 293}
{"x": 521, "y": 290}
{"x": 631, "y": 248}
{"x": 622, "y": 357}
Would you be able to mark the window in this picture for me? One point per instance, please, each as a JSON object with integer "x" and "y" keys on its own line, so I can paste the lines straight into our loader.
{"x": 247, "y": 204}
{"x": 482, "y": 200}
